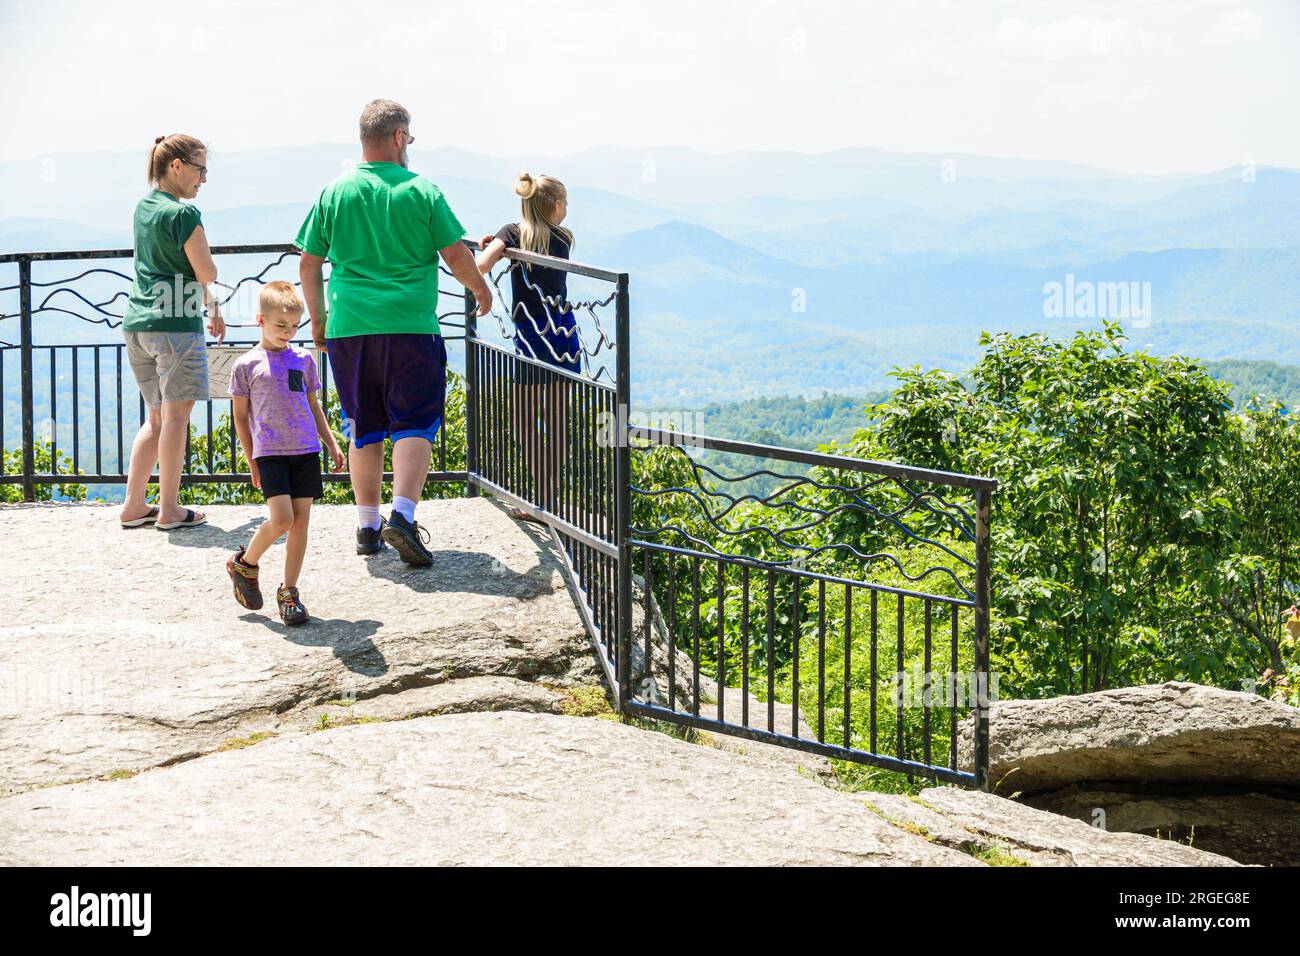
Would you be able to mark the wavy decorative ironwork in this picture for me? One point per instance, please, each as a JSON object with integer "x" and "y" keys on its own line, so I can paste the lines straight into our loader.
{"x": 552, "y": 305}
{"x": 705, "y": 494}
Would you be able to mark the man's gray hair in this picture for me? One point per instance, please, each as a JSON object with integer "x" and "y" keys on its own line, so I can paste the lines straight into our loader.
{"x": 381, "y": 119}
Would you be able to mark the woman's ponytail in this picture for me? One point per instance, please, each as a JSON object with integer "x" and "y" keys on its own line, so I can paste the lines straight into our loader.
{"x": 168, "y": 148}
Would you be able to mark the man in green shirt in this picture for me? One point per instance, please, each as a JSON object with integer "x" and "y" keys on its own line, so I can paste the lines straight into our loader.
{"x": 383, "y": 229}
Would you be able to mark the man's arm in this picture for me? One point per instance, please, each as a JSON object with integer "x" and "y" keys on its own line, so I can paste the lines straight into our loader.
{"x": 311, "y": 270}
{"x": 461, "y": 263}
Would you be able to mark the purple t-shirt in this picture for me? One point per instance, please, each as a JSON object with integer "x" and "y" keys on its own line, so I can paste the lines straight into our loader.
{"x": 276, "y": 385}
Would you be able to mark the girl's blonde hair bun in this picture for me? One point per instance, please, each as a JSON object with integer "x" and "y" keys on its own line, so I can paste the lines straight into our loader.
{"x": 525, "y": 186}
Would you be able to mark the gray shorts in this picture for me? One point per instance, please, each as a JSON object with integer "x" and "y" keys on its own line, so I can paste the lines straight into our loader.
{"x": 169, "y": 366}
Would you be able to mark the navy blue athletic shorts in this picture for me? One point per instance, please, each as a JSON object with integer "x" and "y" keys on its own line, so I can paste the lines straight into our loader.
{"x": 390, "y": 385}
{"x": 558, "y": 347}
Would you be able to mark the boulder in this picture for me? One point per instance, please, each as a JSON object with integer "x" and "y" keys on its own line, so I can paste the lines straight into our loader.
{"x": 140, "y": 656}
{"x": 471, "y": 789}
{"x": 1218, "y": 767}
{"x": 1168, "y": 733}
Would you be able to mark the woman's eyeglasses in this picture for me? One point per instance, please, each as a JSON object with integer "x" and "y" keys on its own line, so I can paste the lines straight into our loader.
{"x": 203, "y": 170}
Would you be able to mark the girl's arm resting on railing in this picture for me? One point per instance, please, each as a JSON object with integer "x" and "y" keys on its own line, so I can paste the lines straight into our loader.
{"x": 493, "y": 249}
{"x": 311, "y": 271}
{"x": 323, "y": 430}
{"x": 239, "y": 409}
{"x": 461, "y": 264}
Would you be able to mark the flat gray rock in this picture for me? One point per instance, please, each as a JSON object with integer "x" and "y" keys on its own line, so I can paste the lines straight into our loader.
{"x": 1166, "y": 733}
{"x": 139, "y": 656}
{"x": 478, "y": 789}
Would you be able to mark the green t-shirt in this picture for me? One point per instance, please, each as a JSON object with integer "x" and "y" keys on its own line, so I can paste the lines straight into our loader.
{"x": 381, "y": 226}
{"x": 165, "y": 297}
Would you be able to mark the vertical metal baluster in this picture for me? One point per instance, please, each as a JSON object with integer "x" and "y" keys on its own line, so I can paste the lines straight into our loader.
{"x": 672, "y": 631}
{"x": 544, "y": 451}
{"x": 797, "y": 596}
{"x": 76, "y": 415}
{"x": 821, "y": 661}
{"x": 952, "y": 700}
{"x": 121, "y": 466}
{"x": 494, "y": 399}
{"x": 27, "y": 378}
{"x": 54, "y": 413}
{"x": 848, "y": 661}
{"x": 99, "y": 459}
{"x": 898, "y": 682}
{"x": 695, "y": 635}
{"x": 925, "y": 687}
{"x": 648, "y": 665}
{"x": 232, "y": 437}
{"x": 771, "y": 626}
{"x": 212, "y": 438}
{"x": 875, "y": 673}
{"x": 722, "y": 647}
{"x": 4, "y": 354}
{"x": 744, "y": 645}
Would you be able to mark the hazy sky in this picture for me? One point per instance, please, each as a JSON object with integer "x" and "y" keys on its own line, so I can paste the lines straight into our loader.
{"x": 1152, "y": 86}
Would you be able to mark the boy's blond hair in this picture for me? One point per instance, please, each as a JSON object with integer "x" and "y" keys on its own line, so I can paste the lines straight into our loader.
{"x": 279, "y": 296}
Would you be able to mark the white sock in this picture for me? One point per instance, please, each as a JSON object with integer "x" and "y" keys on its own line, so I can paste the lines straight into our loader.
{"x": 404, "y": 507}
{"x": 368, "y": 517}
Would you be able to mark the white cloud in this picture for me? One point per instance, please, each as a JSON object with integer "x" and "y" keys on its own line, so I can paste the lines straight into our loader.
{"x": 1076, "y": 38}
{"x": 1234, "y": 27}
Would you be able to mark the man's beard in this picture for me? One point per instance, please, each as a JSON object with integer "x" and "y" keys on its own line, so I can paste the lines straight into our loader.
{"x": 403, "y": 160}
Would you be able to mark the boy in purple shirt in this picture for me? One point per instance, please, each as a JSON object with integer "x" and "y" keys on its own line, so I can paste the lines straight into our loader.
{"x": 278, "y": 417}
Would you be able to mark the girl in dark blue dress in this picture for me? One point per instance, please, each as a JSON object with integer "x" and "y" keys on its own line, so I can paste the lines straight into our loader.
{"x": 545, "y": 329}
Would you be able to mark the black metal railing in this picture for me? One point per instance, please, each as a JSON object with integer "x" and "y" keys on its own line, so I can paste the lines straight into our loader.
{"x": 79, "y": 397}
{"x": 787, "y": 603}
{"x": 852, "y": 596}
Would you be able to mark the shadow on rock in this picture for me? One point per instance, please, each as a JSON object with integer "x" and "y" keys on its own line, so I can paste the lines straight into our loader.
{"x": 349, "y": 640}
{"x": 212, "y": 537}
{"x": 464, "y": 571}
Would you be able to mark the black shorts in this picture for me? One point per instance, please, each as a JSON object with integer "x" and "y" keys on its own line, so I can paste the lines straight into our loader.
{"x": 297, "y": 476}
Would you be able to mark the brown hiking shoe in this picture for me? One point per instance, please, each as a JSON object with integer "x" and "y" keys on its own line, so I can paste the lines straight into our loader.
{"x": 244, "y": 577}
{"x": 291, "y": 610}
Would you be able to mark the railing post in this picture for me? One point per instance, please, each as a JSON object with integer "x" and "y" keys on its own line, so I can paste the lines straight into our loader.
{"x": 623, "y": 489}
{"x": 471, "y": 393}
{"x": 29, "y": 427}
{"x": 983, "y": 690}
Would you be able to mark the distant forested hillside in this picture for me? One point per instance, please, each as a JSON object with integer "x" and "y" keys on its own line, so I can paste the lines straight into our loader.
{"x": 1269, "y": 380}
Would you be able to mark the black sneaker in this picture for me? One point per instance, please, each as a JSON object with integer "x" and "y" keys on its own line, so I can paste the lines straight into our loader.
{"x": 409, "y": 539}
{"x": 291, "y": 610}
{"x": 369, "y": 540}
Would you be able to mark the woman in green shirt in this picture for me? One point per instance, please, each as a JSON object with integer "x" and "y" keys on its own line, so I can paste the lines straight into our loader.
{"x": 164, "y": 327}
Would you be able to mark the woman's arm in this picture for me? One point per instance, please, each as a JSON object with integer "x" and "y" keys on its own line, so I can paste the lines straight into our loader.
{"x": 200, "y": 256}
{"x": 493, "y": 249}
{"x": 205, "y": 272}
